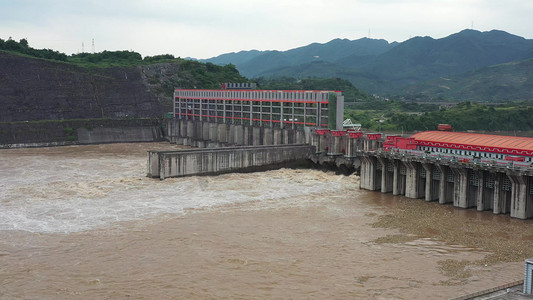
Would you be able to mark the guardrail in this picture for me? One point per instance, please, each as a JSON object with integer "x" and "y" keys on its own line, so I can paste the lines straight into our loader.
{"x": 488, "y": 291}
{"x": 466, "y": 160}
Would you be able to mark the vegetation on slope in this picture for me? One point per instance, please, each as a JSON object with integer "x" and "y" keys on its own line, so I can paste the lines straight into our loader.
{"x": 510, "y": 81}
{"x": 402, "y": 116}
{"x": 189, "y": 74}
{"x": 195, "y": 74}
{"x": 23, "y": 47}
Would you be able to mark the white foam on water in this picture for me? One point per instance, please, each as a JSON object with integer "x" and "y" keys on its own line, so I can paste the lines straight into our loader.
{"x": 79, "y": 203}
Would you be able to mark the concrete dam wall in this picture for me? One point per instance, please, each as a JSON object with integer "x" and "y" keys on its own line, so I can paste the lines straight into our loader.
{"x": 84, "y": 131}
{"x": 164, "y": 164}
{"x": 102, "y": 135}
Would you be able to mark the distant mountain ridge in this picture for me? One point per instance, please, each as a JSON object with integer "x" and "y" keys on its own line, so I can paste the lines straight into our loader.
{"x": 377, "y": 66}
{"x": 253, "y": 63}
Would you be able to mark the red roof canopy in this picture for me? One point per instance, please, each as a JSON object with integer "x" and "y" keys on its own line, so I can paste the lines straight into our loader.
{"x": 476, "y": 142}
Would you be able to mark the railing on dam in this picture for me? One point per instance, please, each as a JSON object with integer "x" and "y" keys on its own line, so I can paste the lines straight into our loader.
{"x": 464, "y": 160}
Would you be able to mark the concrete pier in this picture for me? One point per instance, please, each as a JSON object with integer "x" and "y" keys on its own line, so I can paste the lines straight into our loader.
{"x": 165, "y": 164}
{"x": 205, "y": 134}
{"x": 500, "y": 188}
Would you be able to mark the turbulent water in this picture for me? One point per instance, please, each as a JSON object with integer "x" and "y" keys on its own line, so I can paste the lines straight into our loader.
{"x": 85, "y": 222}
{"x": 75, "y": 193}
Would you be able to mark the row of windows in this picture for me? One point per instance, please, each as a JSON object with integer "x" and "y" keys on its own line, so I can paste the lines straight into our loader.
{"x": 259, "y": 95}
{"x": 468, "y": 153}
{"x": 204, "y": 102}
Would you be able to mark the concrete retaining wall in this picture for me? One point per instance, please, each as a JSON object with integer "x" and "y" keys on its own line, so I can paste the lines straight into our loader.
{"x": 164, "y": 164}
{"x": 84, "y": 131}
{"x": 118, "y": 135}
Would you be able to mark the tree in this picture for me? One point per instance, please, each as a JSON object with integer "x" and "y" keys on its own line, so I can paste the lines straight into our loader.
{"x": 24, "y": 43}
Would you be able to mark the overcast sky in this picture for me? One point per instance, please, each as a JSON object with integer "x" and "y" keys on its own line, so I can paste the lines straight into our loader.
{"x": 206, "y": 28}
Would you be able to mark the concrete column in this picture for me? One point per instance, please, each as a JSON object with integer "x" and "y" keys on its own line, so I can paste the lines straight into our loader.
{"x": 315, "y": 141}
{"x": 268, "y": 136}
{"x": 307, "y": 136}
{"x": 288, "y": 136}
{"x": 183, "y": 128}
{"x": 496, "y": 204}
{"x": 460, "y": 187}
{"x": 396, "y": 177}
{"x": 238, "y": 135}
{"x": 368, "y": 173}
{"x": 363, "y": 177}
{"x": 213, "y": 132}
{"x": 481, "y": 205}
{"x": 222, "y": 132}
{"x": 247, "y": 135}
{"x": 411, "y": 180}
{"x": 429, "y": 174}
{"x": 257, "y": 136}
{"x": 231, "y": 134}
{"x": 277, "y": 136}
{"x": 205, "y": 131}
{"x": 383, "y": 163}
{"x": 442, "y": 183}
{"x": 349, "y": 147}
{"x": 519, "y": 203}
{"x": 190, "y": 129}
{"x": 299, "y": 137}
{"x": 172, "y": 128}
{"x": 386, "y": 178}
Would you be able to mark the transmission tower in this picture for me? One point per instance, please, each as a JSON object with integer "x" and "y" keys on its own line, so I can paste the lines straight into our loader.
{"x": 93, "y": 46}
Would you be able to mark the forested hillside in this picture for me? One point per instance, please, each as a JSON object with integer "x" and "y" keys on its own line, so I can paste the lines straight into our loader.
{"x": 387, "y": 69}
{"x": 401, "y": 116}
{"x": 510, "y": 81}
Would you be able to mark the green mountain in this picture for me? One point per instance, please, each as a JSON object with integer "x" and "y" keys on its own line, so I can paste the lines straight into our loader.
{"x": 379, "y": 67}
{"x": 423, "y": 58}
{"x": 254, "y": 63}
{"x": 511, "y": 81}
{"x": 238, "y": 58}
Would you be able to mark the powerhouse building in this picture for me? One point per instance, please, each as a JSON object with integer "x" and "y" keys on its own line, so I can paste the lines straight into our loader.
{"x": 272, "y": 108}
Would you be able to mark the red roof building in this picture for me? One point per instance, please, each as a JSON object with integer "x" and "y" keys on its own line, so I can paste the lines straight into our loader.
{"x": 511, "y": 145}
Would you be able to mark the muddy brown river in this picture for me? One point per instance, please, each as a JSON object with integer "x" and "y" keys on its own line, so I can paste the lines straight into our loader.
{"x": 84, "y": 222}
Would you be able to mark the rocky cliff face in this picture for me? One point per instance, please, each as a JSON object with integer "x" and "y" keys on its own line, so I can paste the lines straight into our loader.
{"x": 35, "y": 89}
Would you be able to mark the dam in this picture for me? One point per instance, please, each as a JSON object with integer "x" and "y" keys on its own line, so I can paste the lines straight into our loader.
{"x": 486, "y": 172}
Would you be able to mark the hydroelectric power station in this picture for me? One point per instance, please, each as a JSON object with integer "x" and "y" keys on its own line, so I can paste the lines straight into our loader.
{"x": 240, "y": 129}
